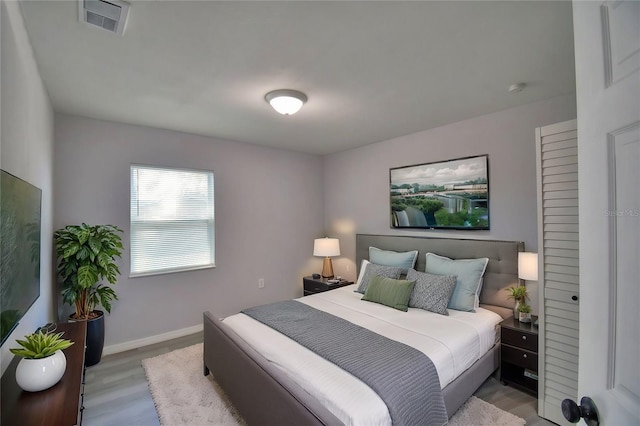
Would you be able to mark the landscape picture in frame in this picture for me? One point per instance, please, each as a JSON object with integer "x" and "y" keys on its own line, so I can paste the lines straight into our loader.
{"x": 451, "y": 194}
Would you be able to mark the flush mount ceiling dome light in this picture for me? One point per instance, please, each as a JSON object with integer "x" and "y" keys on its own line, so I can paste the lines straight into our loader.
{"x": 517, "y": 87}
{"x": 285, "y": 101}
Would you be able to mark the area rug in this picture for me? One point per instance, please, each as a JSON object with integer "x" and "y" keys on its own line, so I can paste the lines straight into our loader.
{"x": 183, "y": 396}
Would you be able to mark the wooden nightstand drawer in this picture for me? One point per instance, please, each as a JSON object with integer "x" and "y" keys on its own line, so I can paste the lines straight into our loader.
{"x": 520, "y": 357}
{"x": 520, "y": 339}
{"x": 315, "y": 286}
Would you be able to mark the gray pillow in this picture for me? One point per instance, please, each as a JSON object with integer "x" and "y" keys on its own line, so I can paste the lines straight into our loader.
{"x": 431, "y": 292}
{"x": 372, "y": 270}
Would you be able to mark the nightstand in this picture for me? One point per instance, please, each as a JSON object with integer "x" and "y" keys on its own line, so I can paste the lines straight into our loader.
{"x": 313, "y": 286}
{"x": 519, "y": 354}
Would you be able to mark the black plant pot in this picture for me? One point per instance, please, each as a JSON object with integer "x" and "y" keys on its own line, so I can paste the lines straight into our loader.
{"x": 95, "y": 339}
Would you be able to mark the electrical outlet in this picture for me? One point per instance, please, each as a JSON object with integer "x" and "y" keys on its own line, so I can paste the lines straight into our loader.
{"x": 261, "y": 283}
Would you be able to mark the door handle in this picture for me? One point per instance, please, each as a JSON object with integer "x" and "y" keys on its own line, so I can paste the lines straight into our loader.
{"x": 586, "y": 410}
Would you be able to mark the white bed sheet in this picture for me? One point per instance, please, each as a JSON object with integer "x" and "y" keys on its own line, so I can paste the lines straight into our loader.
{"x": 452, "y": 342}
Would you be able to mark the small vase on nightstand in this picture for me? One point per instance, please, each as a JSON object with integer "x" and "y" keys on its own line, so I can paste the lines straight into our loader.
{"x": 524, "y": 313}
{"x": 524, "y": 316}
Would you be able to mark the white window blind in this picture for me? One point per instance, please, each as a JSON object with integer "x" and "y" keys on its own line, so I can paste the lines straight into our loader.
{"x": 172, "y": 220}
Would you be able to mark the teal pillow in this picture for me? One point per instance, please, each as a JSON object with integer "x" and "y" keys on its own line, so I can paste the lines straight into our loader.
{"x": 469, "y": 274}
{"x": 389, "y": 292}
{"x": 405, "y": 260}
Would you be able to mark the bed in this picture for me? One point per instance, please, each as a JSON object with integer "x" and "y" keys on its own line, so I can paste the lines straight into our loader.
{"x": 265, "y": 394}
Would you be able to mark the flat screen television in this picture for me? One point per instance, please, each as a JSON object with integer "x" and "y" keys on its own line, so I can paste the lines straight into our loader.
{"x": 20, "y": 207}
{"x": 452, "y": 194}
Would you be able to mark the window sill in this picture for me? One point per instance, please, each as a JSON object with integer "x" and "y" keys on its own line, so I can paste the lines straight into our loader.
{"x": 171, "y": 271}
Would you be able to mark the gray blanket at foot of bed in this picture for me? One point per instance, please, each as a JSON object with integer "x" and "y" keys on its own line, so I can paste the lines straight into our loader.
{"x": 404, "y": 378}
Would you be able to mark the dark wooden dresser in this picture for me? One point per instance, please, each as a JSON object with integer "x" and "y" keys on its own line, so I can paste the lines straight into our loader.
{"x": 60, "y": 405}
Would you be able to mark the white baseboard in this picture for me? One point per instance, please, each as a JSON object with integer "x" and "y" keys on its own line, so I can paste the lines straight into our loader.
{"x": 146, "y": 341}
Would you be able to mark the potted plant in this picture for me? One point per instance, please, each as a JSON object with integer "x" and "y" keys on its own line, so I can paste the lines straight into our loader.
{"x": 43, "y": 363}
{"x": 87, "y": 256}
{"x": 520, "y": 295}
{"x": 524, "y": 313}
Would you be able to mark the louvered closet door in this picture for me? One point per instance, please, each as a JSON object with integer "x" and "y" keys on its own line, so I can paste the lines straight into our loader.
{"x": 557, "y": 161}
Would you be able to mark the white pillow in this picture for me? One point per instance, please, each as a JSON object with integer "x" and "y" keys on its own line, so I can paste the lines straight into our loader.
{"x": 478, "y": 292}
{"x": 363, "y": 267}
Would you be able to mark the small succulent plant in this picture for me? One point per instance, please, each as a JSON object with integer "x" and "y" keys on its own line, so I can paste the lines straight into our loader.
{"x": 524, "y": 308}
{"x": 40, "y": 345}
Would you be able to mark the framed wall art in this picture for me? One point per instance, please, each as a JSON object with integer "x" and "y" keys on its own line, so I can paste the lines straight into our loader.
{"x": 451, "y": 194}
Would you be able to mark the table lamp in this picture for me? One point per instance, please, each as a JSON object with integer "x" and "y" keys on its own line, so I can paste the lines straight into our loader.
{"x": 528, "y": 266}
{"x": 326, "y": 247}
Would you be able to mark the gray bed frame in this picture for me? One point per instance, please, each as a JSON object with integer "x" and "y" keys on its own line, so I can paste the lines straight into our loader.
{"x": 265, "y": 396}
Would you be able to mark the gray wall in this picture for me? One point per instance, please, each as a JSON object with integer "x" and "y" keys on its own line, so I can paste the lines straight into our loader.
{"x": 356, "y": 182}
{"x": 27, "y": 151}
{"x": 268, "y": 211}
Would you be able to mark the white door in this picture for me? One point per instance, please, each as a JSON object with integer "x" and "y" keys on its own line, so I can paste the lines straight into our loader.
{"x": 607, "y": 50}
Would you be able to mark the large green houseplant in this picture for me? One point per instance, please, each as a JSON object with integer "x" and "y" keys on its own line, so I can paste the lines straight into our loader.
{"x": 87, "y": 257}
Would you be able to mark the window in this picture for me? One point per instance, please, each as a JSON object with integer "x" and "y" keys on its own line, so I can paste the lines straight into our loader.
{"x": 172, "y": 220}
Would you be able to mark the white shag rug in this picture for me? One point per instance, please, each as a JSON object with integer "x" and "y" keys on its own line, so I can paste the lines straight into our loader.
{"x": 476, "y": 412}
{"x": 183, "y": 396}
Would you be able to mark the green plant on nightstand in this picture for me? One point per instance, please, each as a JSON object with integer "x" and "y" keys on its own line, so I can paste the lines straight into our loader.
{"x": 524, "y": 313}
{"x": 520, "y": 295}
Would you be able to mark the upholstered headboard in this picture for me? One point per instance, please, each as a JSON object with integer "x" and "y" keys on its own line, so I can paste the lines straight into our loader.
{"x": 501, "y": 272}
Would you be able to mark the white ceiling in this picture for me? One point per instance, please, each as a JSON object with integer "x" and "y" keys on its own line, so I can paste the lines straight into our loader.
{"x": 372, "y": 70}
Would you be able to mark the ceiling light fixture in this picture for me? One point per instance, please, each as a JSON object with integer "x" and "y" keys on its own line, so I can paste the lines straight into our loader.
{"x": 517, "y": 87}
{"x": 285, "y": 101}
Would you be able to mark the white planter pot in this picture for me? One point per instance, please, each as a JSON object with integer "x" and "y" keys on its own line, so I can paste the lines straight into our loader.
{"x": 34, "y": 375}
{"x": 525, "y": 317}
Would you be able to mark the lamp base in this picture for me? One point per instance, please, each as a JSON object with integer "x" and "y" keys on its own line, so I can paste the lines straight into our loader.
{"x": 327, "y": 268}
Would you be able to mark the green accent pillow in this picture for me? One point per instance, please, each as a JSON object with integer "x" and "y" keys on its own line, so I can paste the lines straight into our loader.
{"x": 389, "y": 292}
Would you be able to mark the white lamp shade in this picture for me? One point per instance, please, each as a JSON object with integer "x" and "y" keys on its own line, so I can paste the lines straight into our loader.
{"x": 528, "y": 266}
{"x": 326, "y": 247}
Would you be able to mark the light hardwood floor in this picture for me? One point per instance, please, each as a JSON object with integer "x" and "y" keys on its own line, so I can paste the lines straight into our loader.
{"x": 116, "y": 391}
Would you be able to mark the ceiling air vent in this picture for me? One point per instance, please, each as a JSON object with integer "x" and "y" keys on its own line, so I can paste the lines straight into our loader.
{"x": 108, "y": 15}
